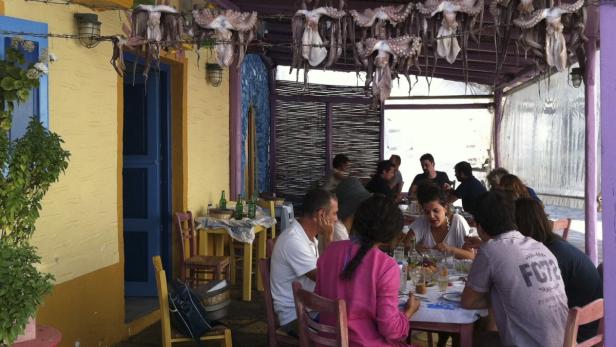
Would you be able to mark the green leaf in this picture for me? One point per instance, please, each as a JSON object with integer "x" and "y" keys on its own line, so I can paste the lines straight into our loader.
{"x": 7, "y": 83}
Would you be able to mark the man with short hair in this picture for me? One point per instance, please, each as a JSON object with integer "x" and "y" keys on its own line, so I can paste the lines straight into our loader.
{"x": 295, "y": 254}
{"x": 429, "y": 174}
{"x": 518, "y": 277}
{"x": 469, "y": 189}
{"x": 341, "y": 165}
{"x": 397, "y": 182}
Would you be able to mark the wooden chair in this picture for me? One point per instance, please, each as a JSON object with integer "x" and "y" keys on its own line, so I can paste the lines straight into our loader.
{"x": 170, "y": 335}
{"x": 584, "y": 315}
{"x": 562, "y": 224}
{"x": 311, "y": 332}
{"x": 275, "y": 337}
{"x": 194, "y": 267}
{"x": 235, "y": 248}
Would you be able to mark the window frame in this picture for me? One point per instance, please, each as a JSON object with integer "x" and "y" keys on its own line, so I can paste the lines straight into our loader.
{"x": 12, "y": 24}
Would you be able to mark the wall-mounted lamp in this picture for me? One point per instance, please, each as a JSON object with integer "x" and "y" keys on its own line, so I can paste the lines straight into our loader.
{"x": 576, "y": 76}
{"x": 89, "y": 29}
{"x": 213, "y": 74}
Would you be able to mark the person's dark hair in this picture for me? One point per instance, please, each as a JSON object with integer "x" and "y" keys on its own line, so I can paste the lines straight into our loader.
{"x": 494, "y": 211}
{"x": 339, "y": 160}
{"x": 533, "y": 222}
{"x": 377, "y": 220}
{"x": 513, "y": 183}
{"x": 428, "y": 157}
{"x": 382, "y": 166}
{"x": 465, "y": 168}
{"x": 316, "y": 199}
{"x": 395, "y": 159}
{"x": 428, "y": 191}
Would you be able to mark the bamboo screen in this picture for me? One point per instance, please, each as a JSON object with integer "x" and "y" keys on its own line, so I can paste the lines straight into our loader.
{"x": 301, "y": 130}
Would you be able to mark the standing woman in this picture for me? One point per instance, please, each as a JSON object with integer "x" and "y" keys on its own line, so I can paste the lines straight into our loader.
{"x": 582, "y": 282}
{"x": 358, "y": 272}
{"x": 437, "y": 228}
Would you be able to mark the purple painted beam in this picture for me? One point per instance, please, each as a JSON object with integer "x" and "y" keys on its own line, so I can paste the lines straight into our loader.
{"x": 608, "y": 169}
{"x": 498, "y": 117}
{"x": 438, "y": 106}
{"x": 272, "y": 157}
{"x": 329, "y": 127}
{"x": 382, "y": 133}
{"x": 325, "y": 99}
{"x": 226, "y": 4}
{"x": 590, "y": 195}
{"x": 235, "y": 132}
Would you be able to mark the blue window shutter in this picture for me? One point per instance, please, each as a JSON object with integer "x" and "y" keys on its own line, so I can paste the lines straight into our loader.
{"x": 38, "y": 103}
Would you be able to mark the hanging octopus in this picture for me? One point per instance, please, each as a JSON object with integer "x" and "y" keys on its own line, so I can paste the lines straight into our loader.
{"x": 391, "y": 57}
{"x": 150, "y": 28}
{"x": 231, "y": 28}
{"x": 378, "y": 18}
{"x": 308, "y": 46}
{"x": 448, "y": 46}
{"x": 555, "y": 43}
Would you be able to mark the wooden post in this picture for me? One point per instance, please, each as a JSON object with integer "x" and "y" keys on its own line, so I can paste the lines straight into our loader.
{"x": 608, "y": 164}
{"x": 235, "y": 132}
{"x": 498, "y": 117}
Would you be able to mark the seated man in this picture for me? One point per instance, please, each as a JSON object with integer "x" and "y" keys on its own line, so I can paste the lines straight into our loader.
{"x": 517, "y": 277}
{"x": 469, "y": 189}
{"x": 379, "y": 183}
{"x": 341, "y": 165}
{"x": 429, "y": 174}
{"x": 397, "y": 182}
{"x": 295, "y": 254}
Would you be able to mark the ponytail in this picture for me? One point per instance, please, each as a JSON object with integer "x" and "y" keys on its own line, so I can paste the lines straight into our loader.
{"x": 364, "y": 247}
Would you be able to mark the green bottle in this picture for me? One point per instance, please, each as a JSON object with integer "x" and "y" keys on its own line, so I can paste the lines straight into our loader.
{"x": 252, "y": 208}
{"x": 222, "y": 204}
{"x": 239, "y": 208}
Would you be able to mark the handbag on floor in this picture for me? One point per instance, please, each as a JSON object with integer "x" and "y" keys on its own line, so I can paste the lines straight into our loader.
{"x": 187, "y": 313}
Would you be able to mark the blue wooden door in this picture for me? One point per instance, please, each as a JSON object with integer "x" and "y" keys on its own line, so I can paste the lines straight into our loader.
{"x": 145, "y": 177}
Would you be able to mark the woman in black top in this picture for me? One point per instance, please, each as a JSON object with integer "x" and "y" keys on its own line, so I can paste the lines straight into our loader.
{"x": 379, "y": 184}
{"x": 581, "y": 278}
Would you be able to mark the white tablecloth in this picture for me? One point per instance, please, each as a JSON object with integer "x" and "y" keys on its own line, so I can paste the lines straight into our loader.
{"x": 241, "y": 230}
{"x": 438, "y": 310}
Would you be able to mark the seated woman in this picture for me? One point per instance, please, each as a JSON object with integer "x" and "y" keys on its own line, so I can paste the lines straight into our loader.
{"x": 514, "y": 184}
{"x": 437, "y": 228}
{"x": 368, "y": 279}
{"x": 582, "y": 282}
{"x": 379, "y": 184}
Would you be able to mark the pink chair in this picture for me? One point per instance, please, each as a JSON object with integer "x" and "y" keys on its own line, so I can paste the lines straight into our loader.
{"x": 275, "y": 337}
{"x": 562, "y": 224}
{"x": 584, "y": 315}
{"x": 311, "y": 332}
{"x": 193, "y": 267}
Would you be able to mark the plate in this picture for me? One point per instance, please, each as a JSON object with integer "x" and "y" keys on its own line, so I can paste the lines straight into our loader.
{"x": 453, "y": 297}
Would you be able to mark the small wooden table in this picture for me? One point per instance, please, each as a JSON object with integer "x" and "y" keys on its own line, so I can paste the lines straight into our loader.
{"x": 220, "y": 235}
{"x": 46, "y": 336}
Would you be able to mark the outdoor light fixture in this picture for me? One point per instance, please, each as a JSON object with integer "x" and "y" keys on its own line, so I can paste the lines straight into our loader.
{"x": 213, "y": 74}
{"x": 576, "y": 75}
{"x": 89, "y": 29}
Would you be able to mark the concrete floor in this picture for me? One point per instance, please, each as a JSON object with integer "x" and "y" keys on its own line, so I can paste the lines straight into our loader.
{"x": 246, "y": 320}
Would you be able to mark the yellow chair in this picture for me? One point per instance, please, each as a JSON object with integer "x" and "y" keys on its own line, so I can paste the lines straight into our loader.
{"x": 170, "y": 335}
{"x": 234, "y": 252}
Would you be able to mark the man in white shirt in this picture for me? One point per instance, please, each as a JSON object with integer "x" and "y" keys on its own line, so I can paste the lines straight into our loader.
{"x": 296, "y": 251}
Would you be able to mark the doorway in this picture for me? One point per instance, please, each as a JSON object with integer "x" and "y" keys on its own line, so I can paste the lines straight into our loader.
{"x": 146, "y": 176}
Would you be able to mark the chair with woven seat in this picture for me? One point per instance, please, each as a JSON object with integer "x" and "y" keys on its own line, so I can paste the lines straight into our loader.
{"x": 275, "y": 336}
{"x": 584, "y": 315}
{"x": 194, "y": 268}
{"x": 563, "y": 225}
{"x": 170, "y": 335}
{"x": 312, "y": 332}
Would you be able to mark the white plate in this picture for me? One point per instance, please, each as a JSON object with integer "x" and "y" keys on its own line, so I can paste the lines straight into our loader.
{"x": 453, "y": 297}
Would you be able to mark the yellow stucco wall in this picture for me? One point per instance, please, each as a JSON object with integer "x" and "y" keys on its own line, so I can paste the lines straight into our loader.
{"x": 78, "y": 233}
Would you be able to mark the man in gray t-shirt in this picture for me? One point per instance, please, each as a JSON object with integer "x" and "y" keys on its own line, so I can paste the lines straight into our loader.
{"x": 519, "y": 277}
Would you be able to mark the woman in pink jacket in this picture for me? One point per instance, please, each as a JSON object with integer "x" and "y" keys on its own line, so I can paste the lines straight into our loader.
{"x": 366, "y": 278}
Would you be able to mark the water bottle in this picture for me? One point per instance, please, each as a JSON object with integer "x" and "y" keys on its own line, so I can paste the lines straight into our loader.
{"x": 399, "y": 253}
{"x": 403, "y": 276}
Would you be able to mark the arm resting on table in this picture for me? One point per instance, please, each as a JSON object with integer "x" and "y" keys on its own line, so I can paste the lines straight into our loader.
{"x": 473, "y": 300}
